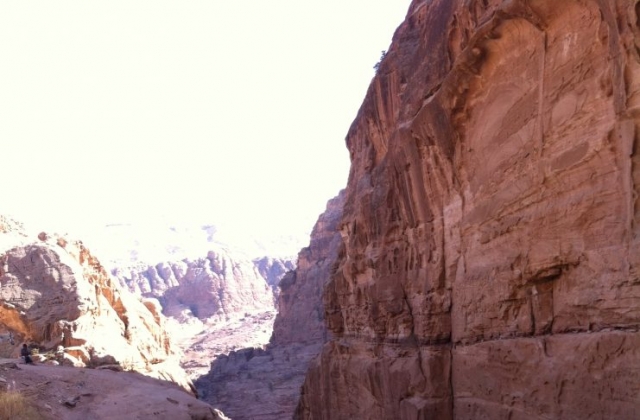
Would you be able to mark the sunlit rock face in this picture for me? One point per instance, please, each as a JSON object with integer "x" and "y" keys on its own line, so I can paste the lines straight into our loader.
{"x": 218, "y": 286}
{"x": 216, "y": 304}
{"x": 265, "y": 383}
{"x": 53, "y": 292}
{"x": 490, "y": 258}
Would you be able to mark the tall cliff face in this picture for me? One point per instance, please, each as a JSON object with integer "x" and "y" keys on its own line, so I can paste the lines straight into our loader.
{"x": 490, "y": 263}
{"x": 300, "y": 317}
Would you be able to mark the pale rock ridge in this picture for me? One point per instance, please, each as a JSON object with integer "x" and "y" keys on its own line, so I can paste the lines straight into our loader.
{"x": 221, "y": 285}
{"x": 53, "y": 292}
{"x": 265, "y": 383}
{"x": 490, "y": 260}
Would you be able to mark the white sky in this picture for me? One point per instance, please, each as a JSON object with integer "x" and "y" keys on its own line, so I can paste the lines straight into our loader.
{"x": 229, "y": 113}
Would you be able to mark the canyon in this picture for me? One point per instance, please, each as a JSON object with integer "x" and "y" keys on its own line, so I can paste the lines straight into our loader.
{"x": 222, "y": 302}
{"x": 264, "y": 383}
{"x": 482, "y": 263}
{"x": 218, "y": 309}
{"x": 489, "y": 264}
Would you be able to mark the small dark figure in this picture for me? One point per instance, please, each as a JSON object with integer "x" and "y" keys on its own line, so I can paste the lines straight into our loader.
{"x": 24, "y": 352}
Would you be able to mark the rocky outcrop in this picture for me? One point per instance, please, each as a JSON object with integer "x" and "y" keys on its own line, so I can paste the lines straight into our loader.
{"x": 265, "y": 383}
{"x": 216, "y": 304}
{"x": 490, "y": 264}
{"x": 221, "y": 285}
{"x": 53, "y": 293}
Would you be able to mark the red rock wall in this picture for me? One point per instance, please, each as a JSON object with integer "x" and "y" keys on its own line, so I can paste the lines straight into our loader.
{"x": 300, "y": 317}
{"x": 490, "y": 259}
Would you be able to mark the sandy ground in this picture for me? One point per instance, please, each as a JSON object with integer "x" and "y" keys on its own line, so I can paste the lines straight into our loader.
{"x": 67, "y": 393}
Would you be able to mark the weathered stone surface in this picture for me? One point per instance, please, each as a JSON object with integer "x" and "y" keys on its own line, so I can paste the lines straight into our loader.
{"x": 221, "y": 285}
{"x": 53, "y": 292}
{"x": 492, "y": 201}
{"x": 265, "y": 383}
{"x": 562, "y": 376}
{"x": 67, "y": 393}
{"x": 300, "y": 317}
{"x": 272, "y": 269}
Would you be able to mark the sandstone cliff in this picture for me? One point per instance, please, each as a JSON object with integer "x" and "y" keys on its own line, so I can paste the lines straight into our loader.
{"x": 218, "y": 286}
{"x": 265, "y": 383}
{"x": 490, "y": 265}
{"x": 53, "y": 293}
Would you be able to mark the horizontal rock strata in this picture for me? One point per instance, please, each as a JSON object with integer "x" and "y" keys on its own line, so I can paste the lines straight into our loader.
{"x": 490, "y": 264}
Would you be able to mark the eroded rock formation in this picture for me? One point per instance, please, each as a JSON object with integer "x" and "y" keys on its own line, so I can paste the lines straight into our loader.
{"x": 490, "y": 259}
{"x": 53, "y": 292}
{"x": 221, "y": 285}
{"x": 214, "y": 305}
{"x": 265, "y": 383}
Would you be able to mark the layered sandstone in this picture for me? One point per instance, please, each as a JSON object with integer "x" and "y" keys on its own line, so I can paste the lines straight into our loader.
{"x": 264, "y": 383}
{"x": 54, "y": 293}
{"x": 490, "y": 264}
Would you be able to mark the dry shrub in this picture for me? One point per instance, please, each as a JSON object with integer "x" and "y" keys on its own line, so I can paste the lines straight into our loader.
{"x": 15, "y": 406}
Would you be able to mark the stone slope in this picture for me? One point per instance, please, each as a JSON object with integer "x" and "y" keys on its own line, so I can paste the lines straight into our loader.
{"x": 264, "y": 383}
{"x": 489, "y": 266}
{"x": 53, "y": 293}
{"x": 214, "y": 305}
{"x": 66, "y": 393}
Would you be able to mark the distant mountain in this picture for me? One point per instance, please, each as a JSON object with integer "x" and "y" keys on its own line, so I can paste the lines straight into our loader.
{"x": 219, "y": 285}
{"x": 217, "y": 297}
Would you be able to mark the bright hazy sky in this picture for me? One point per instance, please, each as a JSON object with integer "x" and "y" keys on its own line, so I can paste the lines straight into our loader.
{"x": 220, "y": 112}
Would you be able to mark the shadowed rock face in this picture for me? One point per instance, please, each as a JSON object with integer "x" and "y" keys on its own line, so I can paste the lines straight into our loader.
{"x": 490, "y": 257}
{"x": 53, "y": 292}
{"x": 273, "y": 269}
{"x": 300, "y": 317}
{"x": 265, "y": 383}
